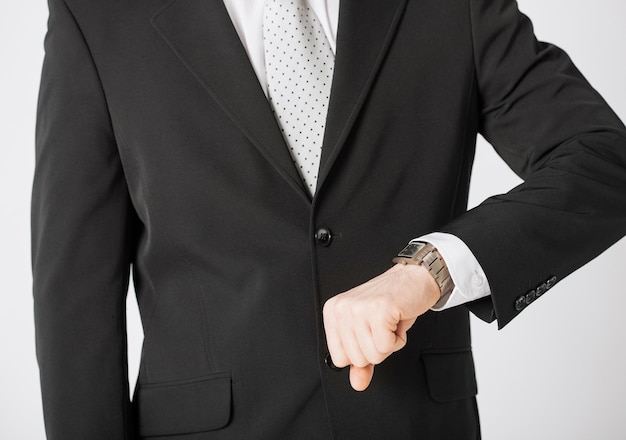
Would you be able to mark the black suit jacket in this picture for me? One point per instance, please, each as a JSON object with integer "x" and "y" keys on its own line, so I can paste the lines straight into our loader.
{"x": 157, "y": 151}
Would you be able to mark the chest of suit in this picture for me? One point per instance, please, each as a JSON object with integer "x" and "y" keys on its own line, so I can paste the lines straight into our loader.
{"x": 227, "y": 255}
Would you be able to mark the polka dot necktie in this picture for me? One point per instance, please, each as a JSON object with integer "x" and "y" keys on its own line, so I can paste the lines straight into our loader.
{"x": 299, "y": 64}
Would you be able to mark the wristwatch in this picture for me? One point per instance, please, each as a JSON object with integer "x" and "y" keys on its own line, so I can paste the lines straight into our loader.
{"x": 425, "y": 254}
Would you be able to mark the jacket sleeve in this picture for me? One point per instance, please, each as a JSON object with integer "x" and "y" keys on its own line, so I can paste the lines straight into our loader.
{"x": 81, "y": 245}
{"x": 558, "y": 134}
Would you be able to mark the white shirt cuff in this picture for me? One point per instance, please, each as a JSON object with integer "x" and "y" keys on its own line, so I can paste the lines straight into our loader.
{"x": 470, "y": 281}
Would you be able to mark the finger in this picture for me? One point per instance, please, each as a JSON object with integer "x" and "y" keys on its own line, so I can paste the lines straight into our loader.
{"x": 361, "y": 377}
{"x": 341, "y": 321}
{"x": 338, "y": 355}
{"x": 333, "y": 339}
{"x": 367, "y": 344}
{"x": 384, "y": 336}
{"x": 401, "y": 332}
{"x": 352, "y": 348}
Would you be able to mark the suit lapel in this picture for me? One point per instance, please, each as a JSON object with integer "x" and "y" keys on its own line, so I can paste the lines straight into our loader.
{"x": 201, "y": 34}
{"x": 365, "y": 31}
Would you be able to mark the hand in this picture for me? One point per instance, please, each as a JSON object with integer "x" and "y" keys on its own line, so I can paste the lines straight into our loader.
{"x": 369, "y": 322}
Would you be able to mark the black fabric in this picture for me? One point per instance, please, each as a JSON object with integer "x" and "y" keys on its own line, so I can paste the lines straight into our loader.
{"x": 157, "y": 150}
{"x": 192, "y": 406}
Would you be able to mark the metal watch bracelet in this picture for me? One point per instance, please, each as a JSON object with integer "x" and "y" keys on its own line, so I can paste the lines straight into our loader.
{"x": 425, "y": 254}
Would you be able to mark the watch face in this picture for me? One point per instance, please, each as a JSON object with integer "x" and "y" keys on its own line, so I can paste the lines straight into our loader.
{"x": 411, "y": 249}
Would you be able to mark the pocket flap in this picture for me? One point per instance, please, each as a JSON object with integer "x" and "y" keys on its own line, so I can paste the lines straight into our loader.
{"x": 450, "y": 375}
{"x": 184, "y": 407}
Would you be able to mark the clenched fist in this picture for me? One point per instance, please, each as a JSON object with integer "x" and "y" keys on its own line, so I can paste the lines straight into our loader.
{"x": 369, "y": 322}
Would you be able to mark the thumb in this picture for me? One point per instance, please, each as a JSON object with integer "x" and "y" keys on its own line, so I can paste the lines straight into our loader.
{"x": 360, "y": 377}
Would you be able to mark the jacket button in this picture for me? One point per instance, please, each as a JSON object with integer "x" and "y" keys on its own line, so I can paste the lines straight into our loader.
{"x": 520, "y": 303}
{"x": 550, "y": 283}
{"x": 541, "y": 289}
{"x": 323, "y": 237}
{"x": 329, "y": 363}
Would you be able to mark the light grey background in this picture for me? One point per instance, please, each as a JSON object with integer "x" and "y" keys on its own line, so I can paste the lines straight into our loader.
{"x": 556, "y": 372}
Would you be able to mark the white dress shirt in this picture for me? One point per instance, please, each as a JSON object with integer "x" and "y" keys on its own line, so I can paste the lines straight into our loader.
{"x": 247, "y": 16}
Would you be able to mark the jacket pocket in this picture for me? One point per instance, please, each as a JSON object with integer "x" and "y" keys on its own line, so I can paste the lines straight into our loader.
{"x": 450, "y": 375}
{"x": 184, "y": 407}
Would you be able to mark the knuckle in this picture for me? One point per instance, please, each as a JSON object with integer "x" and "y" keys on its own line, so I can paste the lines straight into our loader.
{"x": 329, "y": 304}
{"x": 326, "y": 311}
{"x": 330, "y": 309}
{"x": 341, "y": 309}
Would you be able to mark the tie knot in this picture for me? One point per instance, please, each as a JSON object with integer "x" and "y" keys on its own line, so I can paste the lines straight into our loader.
{"x": 290, "y": 4}
{"x": 281, "y": 13}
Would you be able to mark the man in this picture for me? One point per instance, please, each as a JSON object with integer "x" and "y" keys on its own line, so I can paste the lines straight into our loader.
{"x": 164, "y": 145}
